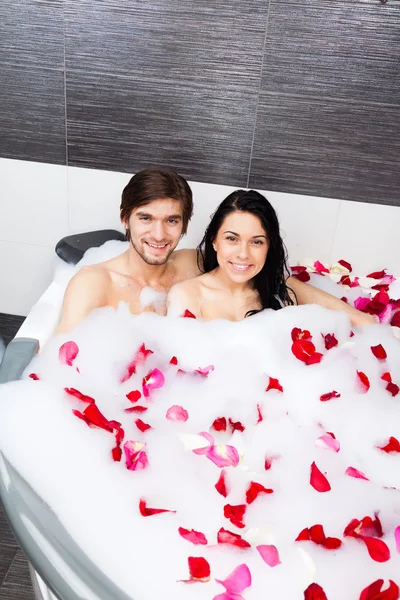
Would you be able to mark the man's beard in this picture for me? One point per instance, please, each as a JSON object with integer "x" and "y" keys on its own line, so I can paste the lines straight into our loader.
{"x": 152, "y": 260}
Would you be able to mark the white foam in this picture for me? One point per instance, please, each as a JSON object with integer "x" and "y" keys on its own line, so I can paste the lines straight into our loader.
{"x": 97, "y": 500}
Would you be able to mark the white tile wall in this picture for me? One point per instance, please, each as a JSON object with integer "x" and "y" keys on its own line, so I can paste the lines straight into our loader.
{"x": 41, "y": 203}
{"x": 368, "y": 235}
{"x": 25, "y": 272}
{"x": 33, "y": 202}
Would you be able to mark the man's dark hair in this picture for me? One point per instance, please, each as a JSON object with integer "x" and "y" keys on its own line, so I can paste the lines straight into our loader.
{"x": 155, "y": 183}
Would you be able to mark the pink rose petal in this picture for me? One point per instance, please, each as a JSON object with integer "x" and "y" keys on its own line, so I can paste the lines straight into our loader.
{"x": 238, "y": 581}
{"x": 397, "y": 538}
{"x": 135, "y": 456}
{"x": 269, "y": 554}
{"x": 223, "y": 455}
{"x": 352, "y": 472}
{"x": 177, "y": 413}
{"x": 153, "y": 380}
{"x": 68, "y": 353}
{"x": 328, "y": 442}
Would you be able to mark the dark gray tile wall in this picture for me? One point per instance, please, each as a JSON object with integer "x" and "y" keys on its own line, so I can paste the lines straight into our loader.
{"x": 32, "y": 100}
{"x": 301, "y": 96}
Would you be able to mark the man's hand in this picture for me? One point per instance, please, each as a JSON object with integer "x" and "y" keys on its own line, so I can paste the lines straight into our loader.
{"x": 308, "y": 294}
{"x": 86, "y": 290}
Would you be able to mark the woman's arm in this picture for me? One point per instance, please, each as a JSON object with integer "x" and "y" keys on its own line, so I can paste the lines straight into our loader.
{"x": 183, "y": 297}
{"x": 308, "y": 294}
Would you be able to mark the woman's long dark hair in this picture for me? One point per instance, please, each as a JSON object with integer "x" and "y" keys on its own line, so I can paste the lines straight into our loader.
{"x": 270, "y": 281}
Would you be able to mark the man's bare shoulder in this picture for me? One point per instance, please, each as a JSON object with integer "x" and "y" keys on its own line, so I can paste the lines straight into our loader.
{"x": 185, "y": 295}
{"x": 185, "y": 262}
{"x": 87, "y": 290}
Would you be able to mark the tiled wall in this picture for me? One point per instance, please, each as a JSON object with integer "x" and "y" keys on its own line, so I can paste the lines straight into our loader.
{"x": 299, "y": 96}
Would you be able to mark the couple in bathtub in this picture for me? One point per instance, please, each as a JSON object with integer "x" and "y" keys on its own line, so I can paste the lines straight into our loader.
{"x": 238, "y": 269}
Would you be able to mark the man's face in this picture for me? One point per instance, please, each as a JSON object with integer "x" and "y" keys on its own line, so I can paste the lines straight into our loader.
{"x": 156, "y": 229}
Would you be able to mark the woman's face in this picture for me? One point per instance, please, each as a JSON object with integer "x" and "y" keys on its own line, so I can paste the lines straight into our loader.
{"x": 241, "y": 246}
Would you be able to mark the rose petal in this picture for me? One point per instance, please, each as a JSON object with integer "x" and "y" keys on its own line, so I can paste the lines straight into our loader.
{"x": 235, "y": 514}
{"x": 236, "y": 426}
{"x": 363, "y": 382}
{"x": 94, "y": 418}
{"x": 397, "y": 538}
{"x": 153, "y": 380}
{"x": 315, "y": 592}
{"x": 68, "y": 353}
{"x": 361, "y": 303}
{"x": 134, "y": 396}
{"x": 392, "y": 388}
{"x": 205, "y": 371}
{"x": 140, "y": 356}
{"x": 345, "y": 264}
{"x": 79, "y": 395}
{"x": 145, "y": 511}
{"x": 377, "y": 549}
{"x": 274, "y": 385}
{"x": 223, "y": 455}
{"x": 254, "y": 490}
{"x": 173, "y": 361}
{"x": 219, "y": 424}
{"x": 136, "y": 409}
{"x": 135, "y": 456}
{"x": 238, "y": 581}
{"x": 300, "y": 334}
{"x": 393, "y": 445}
{"x": 260, "y": 417}
{"x": 318, "y": 480}
{"x": 377, "y": 274}
{"x": 320, "y": 268}
{"x": 142, "y": 426}
{"x": 227, "y": 537}
{"x": 352, "y": 472}
{"x": 269, "y": 554}
{"x": 328, "y": 442}
{"x": 221, "y": 486}
{"x": 317, "y": 535}
{"x": 304, "y": 350}
{"x": 196, "y": 537}
{"x": 395, "y": 322}
{"x": 329, "y": 396}
{"x": 330, "y": 340}
{"x": 177, "y": 414}
{"x": 34, "y": 377}
{"x": 374, "y": 591}
{"x": 188, "y": 315}
{"x": 379, "y": 352}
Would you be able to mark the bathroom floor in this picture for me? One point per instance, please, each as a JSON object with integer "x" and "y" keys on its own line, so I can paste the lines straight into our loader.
{"x": 15, "y": 583}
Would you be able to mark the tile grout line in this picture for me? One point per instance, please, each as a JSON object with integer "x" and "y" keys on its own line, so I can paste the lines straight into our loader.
{"x": 258, "y": 92}
{"x": 9, "y": 568}
{"x": 65, "y": 117}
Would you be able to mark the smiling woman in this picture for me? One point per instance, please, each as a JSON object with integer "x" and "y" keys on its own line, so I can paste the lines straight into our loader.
{"x": 244, "y": 262}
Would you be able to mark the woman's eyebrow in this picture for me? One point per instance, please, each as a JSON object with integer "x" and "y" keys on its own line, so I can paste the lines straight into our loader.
{"x": 254, "y": 236}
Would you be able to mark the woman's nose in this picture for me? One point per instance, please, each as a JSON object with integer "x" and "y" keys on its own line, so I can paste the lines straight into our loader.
{"x": 242, "y": 251}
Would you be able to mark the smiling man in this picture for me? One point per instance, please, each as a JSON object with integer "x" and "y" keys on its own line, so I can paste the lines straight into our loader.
{"x": 155, "y": 210}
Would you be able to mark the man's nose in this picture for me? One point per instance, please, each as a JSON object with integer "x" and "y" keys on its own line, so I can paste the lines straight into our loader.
{"x": 158, "y": 231}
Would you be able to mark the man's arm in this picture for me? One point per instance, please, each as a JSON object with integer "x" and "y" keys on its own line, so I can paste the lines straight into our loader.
{"x": 308, "y": 294}
{"x": 86, "y": 290}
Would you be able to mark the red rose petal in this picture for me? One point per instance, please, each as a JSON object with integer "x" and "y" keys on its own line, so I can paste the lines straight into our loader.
{"x": 116, "y": 454}
{"x": 395, "y": 322}
{"x": 345, "y": 264}
{"x": 393, "y": 388}
{"x": 142, "y": 426}
{"x": 145, "y": 511}
{"x": 254, "y": 490}
{"x": 274, "y": 385}
{"x": 34, "y": 376}
{"x": 318, "y": 479}
{"x": 377, "y": 274}
{"x": 330, "y": 340}
{"x": 79, "y": 395}
{"x": 374, "y": 591}
{"x": 134, "y": 396}
{"x": 221, "y": 486}
{"x": 393, "y": 445}
{"x": 316, "y": 534}
{"x": 386, "y": 377}
{"x": 235, "y": 514}
{"x": 227, "y": 537}
{"x": 329, "y": 396}
{"x": 219, "y": 424}
{"x": 300, "y": 334}
{"x": 379, "y": 352}
{"x": 188, "y": 315}
{"x": 94, "y": 418}
{"x": 136, "y": 409}
{"x": 199, "y": 569}
{"x": 363, "y": 382}
{"x": 315, "y": 592}
{"x": 236, "y": 426}
{"x": 377, "y": 549}
{"x": 259, "y": 413}
{"x": 173, "y": 361}
{"x": 140, "y": 356}
{"x": 196, "y": 537}
{"x": 303, "y": 349}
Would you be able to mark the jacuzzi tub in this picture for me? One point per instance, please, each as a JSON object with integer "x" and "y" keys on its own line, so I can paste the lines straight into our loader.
{"x": 59, "y": 569}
